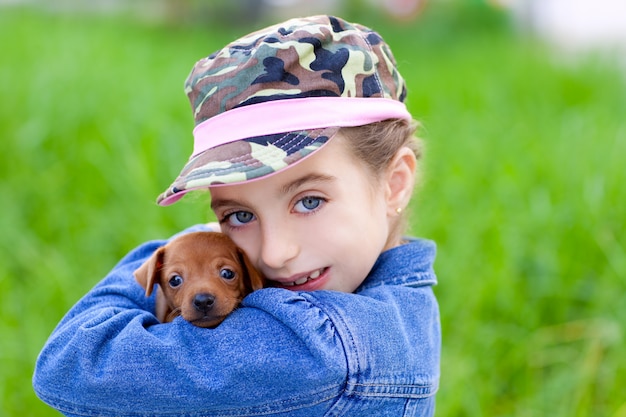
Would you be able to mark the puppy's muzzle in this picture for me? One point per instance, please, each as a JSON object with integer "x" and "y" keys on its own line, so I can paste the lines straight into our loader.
{"x": 203, "y": 302}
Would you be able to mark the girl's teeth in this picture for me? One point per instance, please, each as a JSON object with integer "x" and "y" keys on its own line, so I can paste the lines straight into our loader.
{"x": 315, "y": 274}
{"x": 301, "y": 281}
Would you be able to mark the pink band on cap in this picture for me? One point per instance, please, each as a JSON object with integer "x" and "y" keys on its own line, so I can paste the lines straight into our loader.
{"x": 280, "y": 116}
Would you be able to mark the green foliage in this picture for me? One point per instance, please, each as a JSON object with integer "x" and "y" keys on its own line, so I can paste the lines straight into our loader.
{"x": 523, "y": 191}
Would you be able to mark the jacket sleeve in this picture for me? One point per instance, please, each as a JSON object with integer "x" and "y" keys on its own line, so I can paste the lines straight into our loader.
{"x": 110, "y": 356}
{"x": 308, "y": 354}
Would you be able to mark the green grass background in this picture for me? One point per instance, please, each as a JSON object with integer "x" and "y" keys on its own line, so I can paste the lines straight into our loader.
{"x": 524, "y": 192}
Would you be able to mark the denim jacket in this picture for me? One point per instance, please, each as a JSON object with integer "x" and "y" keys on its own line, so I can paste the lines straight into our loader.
{"x": 324, "y": 353}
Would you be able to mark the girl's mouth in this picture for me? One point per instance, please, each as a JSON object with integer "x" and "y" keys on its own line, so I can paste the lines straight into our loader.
{"x": 302, "y": 280}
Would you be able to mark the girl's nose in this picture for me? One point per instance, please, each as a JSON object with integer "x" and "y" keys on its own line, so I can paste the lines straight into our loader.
{"x": 278, "y": 247}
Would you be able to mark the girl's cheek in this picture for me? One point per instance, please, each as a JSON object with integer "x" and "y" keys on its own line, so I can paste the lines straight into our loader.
{"x": 246, "y": 240}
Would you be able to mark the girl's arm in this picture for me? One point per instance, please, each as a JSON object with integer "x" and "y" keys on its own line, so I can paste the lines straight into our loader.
{"x": 282, "y": 351}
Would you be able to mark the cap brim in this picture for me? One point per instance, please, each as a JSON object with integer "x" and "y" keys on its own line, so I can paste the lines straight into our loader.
{"x": 245, "y": 160}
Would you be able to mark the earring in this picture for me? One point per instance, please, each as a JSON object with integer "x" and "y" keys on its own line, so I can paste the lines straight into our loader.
{"x": 399, "y": 210}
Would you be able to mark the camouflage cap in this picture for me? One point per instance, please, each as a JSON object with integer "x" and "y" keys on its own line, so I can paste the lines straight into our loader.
{"x": 269, "y": 99}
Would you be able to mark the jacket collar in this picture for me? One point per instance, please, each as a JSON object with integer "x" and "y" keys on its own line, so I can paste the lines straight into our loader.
{"x": 410, "y": 264}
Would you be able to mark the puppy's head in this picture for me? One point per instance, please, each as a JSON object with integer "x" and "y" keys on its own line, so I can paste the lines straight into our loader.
{"x": 202, "y": 276}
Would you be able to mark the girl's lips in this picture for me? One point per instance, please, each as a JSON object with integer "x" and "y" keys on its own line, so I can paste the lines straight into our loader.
{"x": 304, "y": 282}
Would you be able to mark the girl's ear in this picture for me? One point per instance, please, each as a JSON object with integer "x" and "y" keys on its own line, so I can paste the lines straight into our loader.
{"x": 400, "y": 180}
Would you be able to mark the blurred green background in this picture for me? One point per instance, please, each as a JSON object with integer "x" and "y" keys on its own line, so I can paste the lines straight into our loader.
{"x": 523, "y": 190}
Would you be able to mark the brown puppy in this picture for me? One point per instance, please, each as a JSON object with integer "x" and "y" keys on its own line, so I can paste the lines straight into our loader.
{"x": 202, "y": 276}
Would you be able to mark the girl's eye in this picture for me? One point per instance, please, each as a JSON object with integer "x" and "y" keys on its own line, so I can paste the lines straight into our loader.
{"x": 239, "y": 218}
{"x": 227, "y": 273}
{"x": 176, "y": 281}
{"x": 308, "y": 204}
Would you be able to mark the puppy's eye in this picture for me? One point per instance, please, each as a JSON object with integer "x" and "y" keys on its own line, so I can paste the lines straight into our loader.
{"x": 176, "y": 281}
{"x": 227, "y": 273}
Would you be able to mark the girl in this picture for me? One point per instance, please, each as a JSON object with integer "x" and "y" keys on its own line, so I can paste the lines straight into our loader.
{"x": 305, "y": 144}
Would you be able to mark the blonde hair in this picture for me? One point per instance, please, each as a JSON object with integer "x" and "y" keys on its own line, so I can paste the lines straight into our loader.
{"x": 375, "y": 145}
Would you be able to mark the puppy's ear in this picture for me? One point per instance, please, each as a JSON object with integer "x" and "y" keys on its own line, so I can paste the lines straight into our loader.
{"x": 254, "y": 279}
{"x": 148, "y": 273}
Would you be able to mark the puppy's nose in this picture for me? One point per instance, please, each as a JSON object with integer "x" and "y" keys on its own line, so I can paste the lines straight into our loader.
{"x": 203, "y": 302}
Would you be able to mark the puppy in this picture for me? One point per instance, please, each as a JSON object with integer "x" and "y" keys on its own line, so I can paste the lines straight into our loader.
{"x": 201, "y": 276}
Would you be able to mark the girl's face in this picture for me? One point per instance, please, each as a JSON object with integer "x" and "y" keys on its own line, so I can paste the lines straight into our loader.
{"x": 320, "y": 224}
